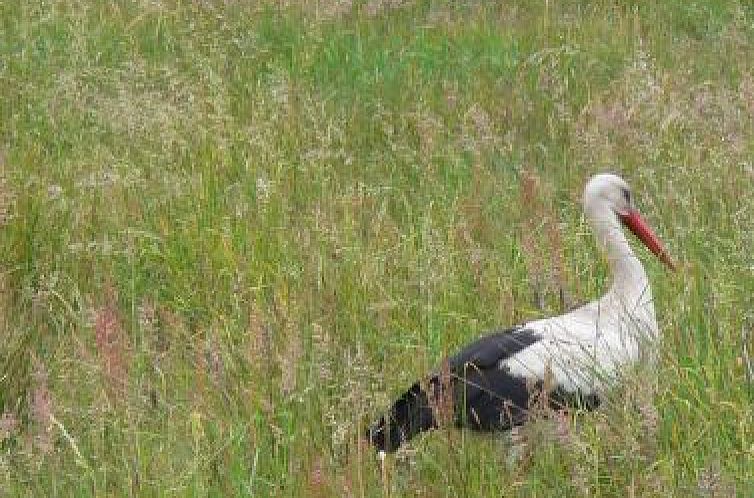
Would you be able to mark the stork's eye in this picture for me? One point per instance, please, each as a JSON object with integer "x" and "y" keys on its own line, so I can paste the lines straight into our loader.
{"x": 627, "y": 196}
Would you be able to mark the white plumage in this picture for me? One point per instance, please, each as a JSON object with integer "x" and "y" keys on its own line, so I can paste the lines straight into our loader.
{"x": 585, "y": 347}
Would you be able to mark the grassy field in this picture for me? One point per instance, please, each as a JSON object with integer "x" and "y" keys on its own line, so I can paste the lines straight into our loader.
{"x": 233, "y": 231}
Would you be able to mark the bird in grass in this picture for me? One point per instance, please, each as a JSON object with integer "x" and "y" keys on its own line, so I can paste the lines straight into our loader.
{"x": 490, "y": 384}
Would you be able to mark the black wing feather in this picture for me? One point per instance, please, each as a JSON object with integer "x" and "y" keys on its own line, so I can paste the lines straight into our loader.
{"x": 488, "y": 397}
{"x": 489, "y": 350}
{"x": 485, "y": 397}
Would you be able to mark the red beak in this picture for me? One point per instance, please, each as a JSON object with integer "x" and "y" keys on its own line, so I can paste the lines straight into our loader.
{"x": 639, "y": 227}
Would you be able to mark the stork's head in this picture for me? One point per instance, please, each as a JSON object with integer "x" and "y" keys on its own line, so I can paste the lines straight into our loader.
{"x": 606, "y": 192}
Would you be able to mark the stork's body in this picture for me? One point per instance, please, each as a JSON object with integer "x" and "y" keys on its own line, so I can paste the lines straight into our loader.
{"x": 492, "y": 380}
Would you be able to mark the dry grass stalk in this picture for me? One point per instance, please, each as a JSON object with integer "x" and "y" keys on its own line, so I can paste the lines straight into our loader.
{"x": 546, "y": 424}
{"x": 547, "y": 271}
{"x": 258, "y": 356}
{"x": 8, "y": 425}
{"x": 215, "y": 360}
{"x": 41, "y": 408}
{"x": 375, "y": 7}
{"x": 649, "y": 418}
{"x": 478, "y": 132}
{"x": 200, "y": 375}
{"x": 711, "y": 483}
{"x": 259, "y": 337}
{"x": 344, "y": 413}
{"x": 169, "y": 326}
{"x": 147, "y": 317}
{"x": 289, "y": 361}
{"x": 428, "y": 127}
{"x": 746, "y": 94}
{"x": 532, "y": 249}
{"x": 745, "y": 358}
{"x": 291, "y": 351}
{"x": 318, "y": 483}
{"x": 322, "y": 345}
{"x": 441, "y": 397}
{"x": 7, "y": 196}
{"x": 111, "y": 343}
{"x": 213, "y": 364}
{"x": 558, "y": 266}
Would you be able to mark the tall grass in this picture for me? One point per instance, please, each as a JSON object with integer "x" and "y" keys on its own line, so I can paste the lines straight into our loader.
{"x": 233, "y": 231}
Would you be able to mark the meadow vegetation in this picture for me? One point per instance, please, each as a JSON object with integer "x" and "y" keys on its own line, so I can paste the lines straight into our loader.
{"x": 231, "y": 232}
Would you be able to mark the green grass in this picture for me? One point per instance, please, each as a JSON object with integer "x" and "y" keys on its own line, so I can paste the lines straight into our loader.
{"x": 233, "y": 231}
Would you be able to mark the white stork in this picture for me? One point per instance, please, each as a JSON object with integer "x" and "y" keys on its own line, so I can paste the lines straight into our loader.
{"x": 490, "y": 382}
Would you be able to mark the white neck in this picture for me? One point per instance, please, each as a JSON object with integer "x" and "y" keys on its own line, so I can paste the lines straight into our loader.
{"x": 630, "y": 286}
{"x": 627, "y": 309}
